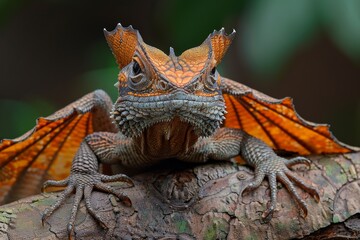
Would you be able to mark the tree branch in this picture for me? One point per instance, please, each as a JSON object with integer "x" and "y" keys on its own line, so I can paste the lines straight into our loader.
{"x": 202, "y": 202}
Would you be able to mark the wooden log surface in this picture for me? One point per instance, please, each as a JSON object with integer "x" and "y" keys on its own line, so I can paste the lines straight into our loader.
{"x": 203, "y": 202}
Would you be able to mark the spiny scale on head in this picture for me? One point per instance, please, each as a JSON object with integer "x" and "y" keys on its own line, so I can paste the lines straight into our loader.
{"x": 222, "y": 32}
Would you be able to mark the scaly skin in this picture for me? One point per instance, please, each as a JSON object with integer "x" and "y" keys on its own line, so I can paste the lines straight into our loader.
{"x": 170, "y": 106}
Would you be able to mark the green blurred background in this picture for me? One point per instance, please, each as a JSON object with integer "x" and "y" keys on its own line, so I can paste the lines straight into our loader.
{"x": 53, "y": 52}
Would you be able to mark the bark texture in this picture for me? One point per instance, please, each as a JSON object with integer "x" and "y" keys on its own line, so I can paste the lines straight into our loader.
{"x": 203, "y": 202}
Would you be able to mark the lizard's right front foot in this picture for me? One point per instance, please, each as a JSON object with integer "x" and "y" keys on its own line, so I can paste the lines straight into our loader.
{"x": 83, "y": 184}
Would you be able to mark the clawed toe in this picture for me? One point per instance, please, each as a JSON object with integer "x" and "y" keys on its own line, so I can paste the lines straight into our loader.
{"x": 298, "y": 160}
{"x": 105, "y": 188}
{"x": 70, "y": 230}
{"x": 43, "y": 218}
{"x": 117, "y": 178}
{"x": 268, "y": 214}
{"x": 126, "y": 201}
{"x": 255, "y": 183}
{"x": 291, "y": 188}
{"x": 87, "y": 198}
{"x": 47, "y": 212}
{"x": 52, "y": 183}
{"x": 303, "y": 185}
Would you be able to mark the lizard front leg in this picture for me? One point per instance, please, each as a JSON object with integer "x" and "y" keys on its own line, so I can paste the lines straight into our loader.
{"x": 98, "y": 147}
{"x": 227, "y": 143}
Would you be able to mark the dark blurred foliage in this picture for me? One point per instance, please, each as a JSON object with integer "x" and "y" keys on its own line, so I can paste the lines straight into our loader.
{"x": 53, "y": 52}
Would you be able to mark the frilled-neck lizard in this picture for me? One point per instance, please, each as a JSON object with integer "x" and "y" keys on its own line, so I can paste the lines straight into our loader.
{"x": 168, "y": 107}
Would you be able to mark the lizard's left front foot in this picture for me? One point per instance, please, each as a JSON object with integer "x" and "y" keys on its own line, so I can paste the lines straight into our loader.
{"x": 277, "y": 169}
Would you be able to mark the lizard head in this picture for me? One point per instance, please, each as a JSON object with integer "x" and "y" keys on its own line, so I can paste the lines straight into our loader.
{"x": 155, "y": 87}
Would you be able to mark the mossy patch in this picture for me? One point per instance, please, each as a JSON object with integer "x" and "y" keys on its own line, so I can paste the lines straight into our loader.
{"x": 334, "y": 171}
{"x": 217, "y": 230}
{"x": 181, "y": 224}
{"x": 6, "y": 215}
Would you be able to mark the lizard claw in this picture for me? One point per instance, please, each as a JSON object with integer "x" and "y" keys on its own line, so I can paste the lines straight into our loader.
{"x": 70, "y": 230}
{"x": 105, "y": 188}
{"x": 43, "y": 218}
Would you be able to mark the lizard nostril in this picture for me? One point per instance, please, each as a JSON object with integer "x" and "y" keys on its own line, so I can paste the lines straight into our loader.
{"x": 162, "y": 85}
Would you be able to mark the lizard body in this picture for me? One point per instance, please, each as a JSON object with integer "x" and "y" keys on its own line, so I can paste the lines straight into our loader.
{"x": 168, "y": 107}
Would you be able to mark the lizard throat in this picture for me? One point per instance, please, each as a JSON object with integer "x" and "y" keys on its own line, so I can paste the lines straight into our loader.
{"x": 134, "y": 115}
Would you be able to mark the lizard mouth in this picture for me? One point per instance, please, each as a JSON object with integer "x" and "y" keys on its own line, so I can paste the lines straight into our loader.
{"x": 134, "y": 114}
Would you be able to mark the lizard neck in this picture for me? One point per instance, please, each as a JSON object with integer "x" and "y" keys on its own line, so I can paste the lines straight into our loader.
{"x": 167, "y": 139}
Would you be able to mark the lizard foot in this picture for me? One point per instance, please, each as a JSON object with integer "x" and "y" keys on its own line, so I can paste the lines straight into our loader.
{"x": 277, "y": 169}
{"x": 83, "y": 184}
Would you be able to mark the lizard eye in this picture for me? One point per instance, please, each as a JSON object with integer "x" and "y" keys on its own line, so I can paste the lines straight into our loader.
{"x": 138, "y": 81}
{"x": 136, "y": 68}
{"x": 213, "y": 71}
{"x": 210, "y": 81}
